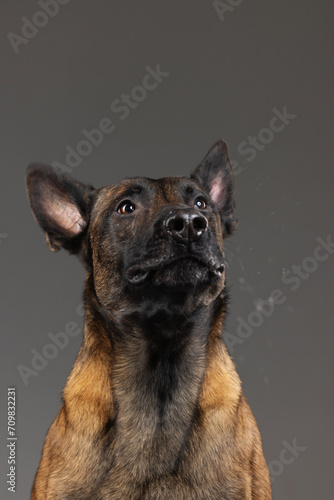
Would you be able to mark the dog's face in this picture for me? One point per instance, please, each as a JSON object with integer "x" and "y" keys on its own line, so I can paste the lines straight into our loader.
{"x": 143, "y": 238}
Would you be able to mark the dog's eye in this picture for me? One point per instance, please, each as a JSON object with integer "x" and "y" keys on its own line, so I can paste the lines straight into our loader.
{"x": 126, "y": 207}
{"x": 200, "y": 203}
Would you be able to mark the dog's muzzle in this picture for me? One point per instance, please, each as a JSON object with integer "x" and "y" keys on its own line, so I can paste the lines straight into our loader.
{"x": 185, "y": 230}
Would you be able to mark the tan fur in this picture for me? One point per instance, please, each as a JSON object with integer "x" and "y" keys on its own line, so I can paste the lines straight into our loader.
{"x": 146, "y": 419}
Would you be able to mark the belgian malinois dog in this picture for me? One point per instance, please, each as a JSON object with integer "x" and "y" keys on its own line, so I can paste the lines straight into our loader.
{"x": 153, "y": 408}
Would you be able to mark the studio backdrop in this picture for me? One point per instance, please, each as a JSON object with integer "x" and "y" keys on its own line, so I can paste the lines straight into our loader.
{"x": 106, "y": 90}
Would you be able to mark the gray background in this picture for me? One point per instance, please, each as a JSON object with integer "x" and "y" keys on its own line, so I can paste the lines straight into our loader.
{"x": 226, "y": 77}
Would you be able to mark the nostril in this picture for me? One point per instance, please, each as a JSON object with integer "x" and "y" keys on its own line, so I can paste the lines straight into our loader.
{"x": 199, "y": 223}
{"x": 177, "y": 224}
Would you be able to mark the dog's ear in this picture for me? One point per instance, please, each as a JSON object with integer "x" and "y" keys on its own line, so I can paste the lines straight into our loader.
{"x": 60, "y": 205}
{"x": 215, "y": 176}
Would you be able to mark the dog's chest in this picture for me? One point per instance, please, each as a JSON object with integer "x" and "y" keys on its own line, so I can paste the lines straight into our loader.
{"x": 198, "y": 473}
{"x": 176, "y": 462}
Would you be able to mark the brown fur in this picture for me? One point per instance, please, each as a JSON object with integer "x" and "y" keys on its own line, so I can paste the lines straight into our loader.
{"x": 110, "y": 439}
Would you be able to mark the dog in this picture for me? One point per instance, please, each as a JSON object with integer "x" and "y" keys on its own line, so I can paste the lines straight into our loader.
{"x": 153, "y": 408}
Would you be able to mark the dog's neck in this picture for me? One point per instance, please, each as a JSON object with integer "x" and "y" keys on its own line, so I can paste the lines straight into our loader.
{"x": 154, "y": 381}
{"x": 157, "y": 375}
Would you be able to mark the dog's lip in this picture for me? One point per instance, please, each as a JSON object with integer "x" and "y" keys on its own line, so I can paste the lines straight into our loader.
{"x": 137, "y": 273}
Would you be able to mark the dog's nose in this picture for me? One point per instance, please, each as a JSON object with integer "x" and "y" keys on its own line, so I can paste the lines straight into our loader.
{"x": 186, "y": 225}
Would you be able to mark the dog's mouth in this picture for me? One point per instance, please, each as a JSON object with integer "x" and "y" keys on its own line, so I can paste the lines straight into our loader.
{"x": 139, "y": 273}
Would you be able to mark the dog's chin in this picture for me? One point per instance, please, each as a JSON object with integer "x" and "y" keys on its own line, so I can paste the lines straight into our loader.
{"x": 182, "y": 273}
{"x": 186, "y": 273}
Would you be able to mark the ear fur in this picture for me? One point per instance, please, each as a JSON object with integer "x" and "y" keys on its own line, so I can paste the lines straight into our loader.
{"x": 215, "y": 176}
{"x": 60, "y": 205}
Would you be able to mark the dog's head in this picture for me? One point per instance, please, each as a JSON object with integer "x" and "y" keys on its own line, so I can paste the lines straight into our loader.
{"x": 143, "y": 238}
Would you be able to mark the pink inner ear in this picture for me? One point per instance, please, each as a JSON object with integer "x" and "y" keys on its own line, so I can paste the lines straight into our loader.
{"x": 66, "y": 216}
{"x": 216, "y": 191}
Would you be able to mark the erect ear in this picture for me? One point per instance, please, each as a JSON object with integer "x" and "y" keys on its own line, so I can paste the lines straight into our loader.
{"x": 215, "y": 176}
{"x": 60, "y": 205}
